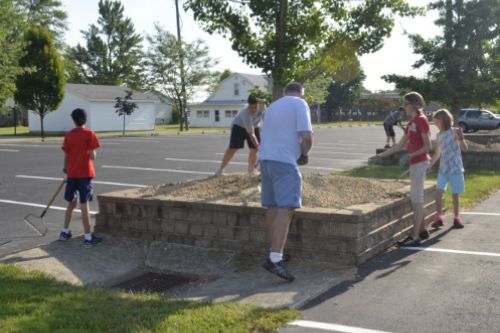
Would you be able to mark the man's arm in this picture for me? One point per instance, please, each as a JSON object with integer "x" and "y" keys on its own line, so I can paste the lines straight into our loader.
{"x": 254, "y": 140}
{"x": 92, "y": 154}
{"x": 307, "y": 142}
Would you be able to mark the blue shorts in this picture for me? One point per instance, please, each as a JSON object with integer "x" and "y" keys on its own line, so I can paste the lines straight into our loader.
{"x": 281, "y": 185}
{"x": 81, "y": 188}
{"x": 456, "y": 182}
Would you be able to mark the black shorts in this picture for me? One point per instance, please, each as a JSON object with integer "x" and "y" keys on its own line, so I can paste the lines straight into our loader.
{"x": 239, "y": 135}
{"x": 81, "y": 188}
{"x": 389, "y": 130}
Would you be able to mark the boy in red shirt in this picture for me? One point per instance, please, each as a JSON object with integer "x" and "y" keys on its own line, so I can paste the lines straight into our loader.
{"x": 79, "y": 147}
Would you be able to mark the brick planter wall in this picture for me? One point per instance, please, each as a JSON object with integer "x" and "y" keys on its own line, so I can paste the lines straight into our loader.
{"x": 351, "y": 235}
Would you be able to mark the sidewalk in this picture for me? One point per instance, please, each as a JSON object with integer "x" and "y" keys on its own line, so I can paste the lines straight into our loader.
{"x": 221, "y": 275}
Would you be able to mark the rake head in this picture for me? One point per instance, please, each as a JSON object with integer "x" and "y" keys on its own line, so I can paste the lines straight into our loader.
{"x": 36, "y": 223}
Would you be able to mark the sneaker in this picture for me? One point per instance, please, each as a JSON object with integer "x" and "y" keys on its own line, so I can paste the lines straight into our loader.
{"x": 457, "y": 223}
{"x": 92, "y": 242}
{"x": 64, "y": 236}
{"x": 286, "y": 257}
{"x": 279, "y": 269}
{"x": 408, "y": 241}
{"x": 438, "y": 222}
{"x": 424, "y": 234}
{"x": 387, "y": 147}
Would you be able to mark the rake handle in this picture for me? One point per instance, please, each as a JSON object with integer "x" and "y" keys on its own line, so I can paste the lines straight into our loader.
{"x": 53, "y": 198}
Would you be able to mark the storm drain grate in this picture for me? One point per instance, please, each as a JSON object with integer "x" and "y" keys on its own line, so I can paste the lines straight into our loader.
{"x": 154, "y": 282}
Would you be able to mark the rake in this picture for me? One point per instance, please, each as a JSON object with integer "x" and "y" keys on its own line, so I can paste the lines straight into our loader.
{"x": 36, "y": 222}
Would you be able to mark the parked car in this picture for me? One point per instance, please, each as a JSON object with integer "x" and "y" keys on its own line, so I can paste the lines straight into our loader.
{"x": 471, "y": 120}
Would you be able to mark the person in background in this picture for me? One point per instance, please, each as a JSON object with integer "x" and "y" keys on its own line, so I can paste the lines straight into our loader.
{"x": 393, "y": 119}
{"x": 245, "y": 127}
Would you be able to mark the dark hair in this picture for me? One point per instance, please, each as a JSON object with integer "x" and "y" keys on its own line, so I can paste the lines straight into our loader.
{"x": 79, "y": 116}
{"x": 294, "y": 87}
{"x": 252, "y": 99}
{"x": 401, "y": 108}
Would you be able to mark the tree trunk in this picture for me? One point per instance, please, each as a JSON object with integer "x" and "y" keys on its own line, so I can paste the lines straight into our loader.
{"x": 42, "y": 134}
{"x": 123, "y": 132}
{"x": 278, "y": 75}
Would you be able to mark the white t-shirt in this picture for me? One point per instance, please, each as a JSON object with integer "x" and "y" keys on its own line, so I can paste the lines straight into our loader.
{"x": 283, "y": 121}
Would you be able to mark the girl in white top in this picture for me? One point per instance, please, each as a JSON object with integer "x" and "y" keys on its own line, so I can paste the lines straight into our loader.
{"x": 449, "y": 146}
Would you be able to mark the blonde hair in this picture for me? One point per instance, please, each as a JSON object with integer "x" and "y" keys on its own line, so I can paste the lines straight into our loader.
{"x": 415, "y": 99}
{"x": 446, "y": 118}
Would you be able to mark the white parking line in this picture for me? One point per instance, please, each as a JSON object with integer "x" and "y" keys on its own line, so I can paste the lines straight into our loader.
{"x": 93, "y": 181}
{"x": 239, "y": 163}
{"x": 10, "y": 150}
{"x": 432, "y": 249}
{"x": 31, "y": 204}
{"x": 478, "y": 213}
{"x": 27, "y": 145}
{"x": 156, "y": 169}
{"x": 332, "y": 327}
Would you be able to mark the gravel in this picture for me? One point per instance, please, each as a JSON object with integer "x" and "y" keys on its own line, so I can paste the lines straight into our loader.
{"x": 319, "y": 190}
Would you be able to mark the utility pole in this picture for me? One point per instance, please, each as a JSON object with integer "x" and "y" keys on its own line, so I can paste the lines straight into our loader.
{"x": 183, "y": 110}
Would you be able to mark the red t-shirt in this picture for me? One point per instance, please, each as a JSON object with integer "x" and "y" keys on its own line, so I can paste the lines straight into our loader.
{"x": 416, "y": 127}
{"x": 78, "y": 144}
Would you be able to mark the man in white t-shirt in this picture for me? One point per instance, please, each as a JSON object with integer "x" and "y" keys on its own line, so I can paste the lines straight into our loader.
{"x": 286, "y": 141}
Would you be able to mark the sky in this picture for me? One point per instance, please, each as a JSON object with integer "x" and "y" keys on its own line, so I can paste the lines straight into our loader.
{"x": 395, "y": 57}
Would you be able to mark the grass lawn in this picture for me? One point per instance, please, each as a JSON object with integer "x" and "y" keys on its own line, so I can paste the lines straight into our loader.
{"x": 33, "y": 302}
{"x": 171, "y": 129}
{"x": 478, "y": 183}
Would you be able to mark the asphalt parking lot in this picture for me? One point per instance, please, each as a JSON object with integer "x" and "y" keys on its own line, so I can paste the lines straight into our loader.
{"x": 449, "y": 284}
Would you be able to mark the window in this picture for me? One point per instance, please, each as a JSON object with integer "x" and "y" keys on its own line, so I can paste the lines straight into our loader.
{"x": 228, "y": 114}
{"x": 199, "y": 114}
{"x": 473, "y": 114}
{"x": 217, "y": 115}
{"x": 206, "y": 114}
{"x": 234, "y": 112}
{"x": 236, "y": 89}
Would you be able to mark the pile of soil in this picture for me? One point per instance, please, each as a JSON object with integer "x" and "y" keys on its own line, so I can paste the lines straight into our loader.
{"x": 494, "y": 145}
{"x": 319, "y": 190}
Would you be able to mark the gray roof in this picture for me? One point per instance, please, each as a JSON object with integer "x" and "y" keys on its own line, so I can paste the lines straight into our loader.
{"x": 260, "y": 81}
{"x": 102, "y": 92}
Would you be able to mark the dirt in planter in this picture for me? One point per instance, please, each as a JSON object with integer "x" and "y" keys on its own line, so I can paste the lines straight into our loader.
{"x": 319, "y": 190}
{"x": 492, "y": 146}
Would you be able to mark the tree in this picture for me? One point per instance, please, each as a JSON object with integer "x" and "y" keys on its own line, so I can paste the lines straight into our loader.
{"x": 124, "y": 107}
{"x": 41, "y": 88}
{"x": 11, "y": 44}
{"x": 344, "y": 91}
{"x": 164, "y": 74}
{"x": 316, "y": 90}
{"x": 286, "y": 38}
{"x": 46, "y": 13}
{"x": 464, "y": 62}
{"x": 113, "y": 53}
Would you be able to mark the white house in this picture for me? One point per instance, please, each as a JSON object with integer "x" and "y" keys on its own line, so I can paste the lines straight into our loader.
{"x": 219, "y": 109}
{"x": 99, "y": 102}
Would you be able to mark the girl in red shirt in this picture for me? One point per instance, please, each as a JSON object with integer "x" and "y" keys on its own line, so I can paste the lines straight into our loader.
{"x": 417, "y": 136}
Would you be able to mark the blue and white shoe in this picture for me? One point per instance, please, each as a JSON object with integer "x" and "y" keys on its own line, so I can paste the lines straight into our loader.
{"x": 64, "y": 236}
{"x": 94, "y": 241}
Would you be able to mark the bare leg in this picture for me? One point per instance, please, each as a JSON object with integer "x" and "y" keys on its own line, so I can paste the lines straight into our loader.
{"x": 456, "y": 204}
{"x": 85, "y": 217}
{"x": 439, "y": 202}
{"x": 228, "y": 155}
{"x": 69, "y": 212}
{"x": 270, "y": 216}
{"x": 393, "y": 138}
{"x": 280, "y": 226}
{"x": 252, "y": 160}
{"x": 418, "y": 220}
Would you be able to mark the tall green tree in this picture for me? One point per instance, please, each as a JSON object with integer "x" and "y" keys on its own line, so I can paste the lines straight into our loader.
{"x": 463, "y": 62}
{"x": 113, "y": 52}
{"x": 41, "y": 87}
{"x": 46, "y": 13}
{"x": 344, "y": 91}
{"x": 285, "y": 38}
{"x": 11, "y": 45}
{"x": 164, "y": 73}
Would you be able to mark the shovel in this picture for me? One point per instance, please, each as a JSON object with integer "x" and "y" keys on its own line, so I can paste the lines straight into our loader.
{"x": 36, "y": 222}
